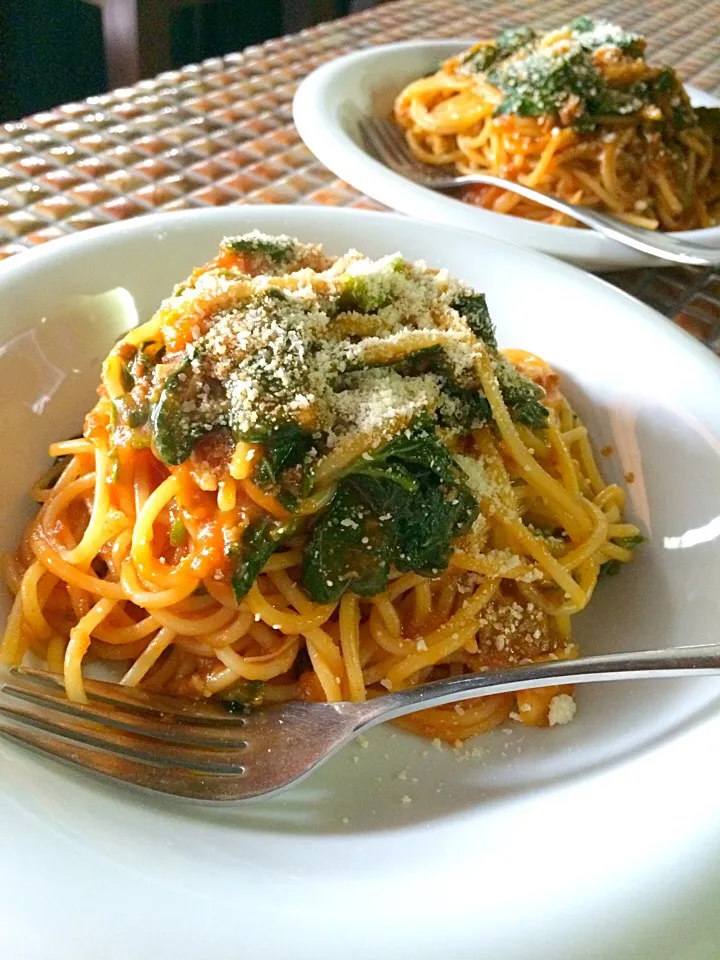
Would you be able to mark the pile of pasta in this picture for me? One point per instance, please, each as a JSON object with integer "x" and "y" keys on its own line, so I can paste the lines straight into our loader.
{"x": 196, "y": 577}
{"x": 577, "y": 113}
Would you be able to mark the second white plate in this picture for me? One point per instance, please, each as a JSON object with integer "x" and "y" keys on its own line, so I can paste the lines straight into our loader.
{"x": 330, "y": 102}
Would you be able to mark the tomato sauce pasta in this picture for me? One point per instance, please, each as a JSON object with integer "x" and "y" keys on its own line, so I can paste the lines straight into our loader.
{"x": 319, "y": 478}
{"x": 577, "y": 113}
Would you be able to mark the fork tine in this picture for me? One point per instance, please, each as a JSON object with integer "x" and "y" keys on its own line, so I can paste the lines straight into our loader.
{"x": 120, "y": 743}
{"x": 391, "y": 138}
{"x": 161, "y": 726}
{"x": 374, "y": 145}
{"x": 123, "y": 734}
{"x": 395, "y": 138}
{"x": 386, "y": 141}
{"x": 205, "y": 786}
{"x": 130, "y": 698}
{"x": 385, "y": 148}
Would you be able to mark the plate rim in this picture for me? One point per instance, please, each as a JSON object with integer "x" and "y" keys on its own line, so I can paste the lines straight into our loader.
{"x": 20, "y": 262}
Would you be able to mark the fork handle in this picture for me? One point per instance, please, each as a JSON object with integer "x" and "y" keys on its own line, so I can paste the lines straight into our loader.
{"x": 644, "y": 664}
{"x": 658, "y": 244}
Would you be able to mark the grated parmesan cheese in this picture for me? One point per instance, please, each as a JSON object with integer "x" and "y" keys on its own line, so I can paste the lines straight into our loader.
{"x": 562, "y": 709}
{"x": 477, "y": 479}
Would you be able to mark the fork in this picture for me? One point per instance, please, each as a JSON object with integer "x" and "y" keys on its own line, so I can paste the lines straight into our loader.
{"x": 386, "y": 142}
{"x": 200, "y": 751}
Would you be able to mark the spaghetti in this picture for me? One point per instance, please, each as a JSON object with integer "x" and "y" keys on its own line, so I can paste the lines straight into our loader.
{"x": 576, "y": 113}
{"x": 318, "y": 478}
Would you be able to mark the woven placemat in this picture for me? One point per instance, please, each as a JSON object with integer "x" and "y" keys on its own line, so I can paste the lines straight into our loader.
{"x": 221, "y": 132}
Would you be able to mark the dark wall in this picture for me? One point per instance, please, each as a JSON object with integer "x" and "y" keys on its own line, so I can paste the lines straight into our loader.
{"x": 51, "y": 51}
{"x": 212, "y": 29}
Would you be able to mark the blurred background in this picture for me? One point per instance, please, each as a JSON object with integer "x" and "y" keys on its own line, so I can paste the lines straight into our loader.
{"x": 58, "y": 51}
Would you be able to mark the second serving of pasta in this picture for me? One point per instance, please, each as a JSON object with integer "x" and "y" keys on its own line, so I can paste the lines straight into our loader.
{"x": 577, "y": 112}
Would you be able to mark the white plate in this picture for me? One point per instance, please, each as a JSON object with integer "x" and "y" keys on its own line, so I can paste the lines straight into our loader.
{"x": 326, "y": 110}
{"x": 597, "y": 840}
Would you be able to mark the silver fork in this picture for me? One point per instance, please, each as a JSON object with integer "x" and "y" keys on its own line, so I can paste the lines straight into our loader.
{"x": 386, "y": 142}
{"x": 200, "y": 751}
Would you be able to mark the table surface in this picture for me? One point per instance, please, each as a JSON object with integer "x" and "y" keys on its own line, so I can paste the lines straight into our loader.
{"x": 221, "y": 131}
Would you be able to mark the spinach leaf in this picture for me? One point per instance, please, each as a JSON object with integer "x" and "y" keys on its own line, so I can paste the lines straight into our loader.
{"x": 242, "y": 697}
{"x": 460, "y": 408}
{"x": 279, "y": 371}
{"x": 433, "y": 517}
{"x": 468, "y": 409}
{"x": 403, "y": 506}
{"x": 386, "y": 470}
{"x": 594, "y": 34}
{"x": 368, "y": 292}
{"x": 439, "y": 509}
{"x": 278, "y": 249}
{"x": 521, "y": 395}
{"x": 174, "y": 433}
{"x": 350, "y": 545}
{"x": 131, "y": 412}
{"x": 513, "y": 38}
{"x": 137, "y": 415}
{"x": 417, "y": 445}
{"x": 541, "y": 84}
{"x": 426, "y": 360}
{"x": 542, "y": 81}
{"x": 611, "y": 568}
{"x": 582, "y": 24}
{"x": 473, "y": 308}
{"x": 664, "y": 82}
{"x": 259, "y": 542}
{"x": 285, "y": 446}
{"x": 630, "y": 542}
{"x": 127, "y": 380}
{"x": 480, "y": 58}
{"x": 181, "y": 415}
